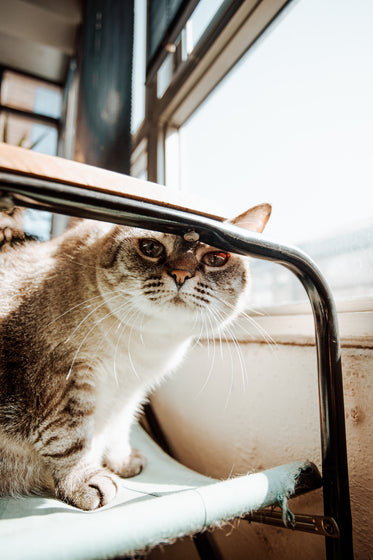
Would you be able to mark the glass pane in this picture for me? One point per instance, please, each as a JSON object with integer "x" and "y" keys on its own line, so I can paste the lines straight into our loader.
{"x": 200, "y": 19}
{"x": 292, "y": 125}
{"x": 164, "y": 75}
{"x": 36, "y": 96}
{"x": 139, "y": 60}
{"x": 29, "y": 134}
{"x": 186, "y": 41}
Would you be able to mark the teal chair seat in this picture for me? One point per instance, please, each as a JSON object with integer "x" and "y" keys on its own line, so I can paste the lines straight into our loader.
{"x": 166, "y": 501}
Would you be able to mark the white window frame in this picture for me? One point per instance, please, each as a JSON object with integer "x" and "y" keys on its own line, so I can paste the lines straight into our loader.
{"x": 288, "y": 324}
{"x": 207, "y": 67}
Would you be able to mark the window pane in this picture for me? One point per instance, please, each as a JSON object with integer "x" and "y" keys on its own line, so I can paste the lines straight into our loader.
{"x": 20, "y": 92}
{"x": 164, "y": 75}
{"x": 29, "y": 134}
{"x": 139, "y": 60}
{"x": 200, "y": 19}
{"x": 292, "y": 125}
{"x": 182, "y": 49}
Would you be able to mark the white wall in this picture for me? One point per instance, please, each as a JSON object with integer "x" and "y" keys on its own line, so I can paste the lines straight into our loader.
{"x": 223, "y": 421}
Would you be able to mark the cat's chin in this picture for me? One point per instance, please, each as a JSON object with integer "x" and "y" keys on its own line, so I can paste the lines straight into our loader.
{"x": 185, "y": 317}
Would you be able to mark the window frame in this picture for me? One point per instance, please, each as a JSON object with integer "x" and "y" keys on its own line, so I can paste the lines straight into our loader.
{"x": 64, "y": 145}
{"x": 234, "y": 29}
{"x": 218, "y": 50}
{"x": 38, "y": 118}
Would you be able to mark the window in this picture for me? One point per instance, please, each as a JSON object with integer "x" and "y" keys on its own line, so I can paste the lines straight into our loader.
{"x": 30, "y": 110}
{"x": 200, "y": 19}
{"x": 29, "y": 94}
{"x": 182, "y": 48}
{"x": 292, "y": 124}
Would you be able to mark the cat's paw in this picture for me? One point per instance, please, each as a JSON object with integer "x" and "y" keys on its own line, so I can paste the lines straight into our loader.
{"x": 130, "y": 466}
{"x": 10, "y": 236}
{"x": 92, "y": 491}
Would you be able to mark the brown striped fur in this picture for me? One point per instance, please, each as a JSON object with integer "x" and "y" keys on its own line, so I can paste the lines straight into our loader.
{"x": 89, "y": 324}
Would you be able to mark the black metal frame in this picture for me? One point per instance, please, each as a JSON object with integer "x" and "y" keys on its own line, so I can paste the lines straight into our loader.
{"x": 78, "y": 201}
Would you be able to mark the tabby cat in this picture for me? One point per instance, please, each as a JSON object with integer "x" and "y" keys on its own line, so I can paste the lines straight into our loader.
{"x": 90, "y": 323}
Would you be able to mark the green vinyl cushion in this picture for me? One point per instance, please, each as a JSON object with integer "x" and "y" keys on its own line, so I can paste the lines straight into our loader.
{"x": 165, "y": 501}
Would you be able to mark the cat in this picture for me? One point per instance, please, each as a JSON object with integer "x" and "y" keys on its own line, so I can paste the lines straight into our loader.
{"x": 90, "y": 323}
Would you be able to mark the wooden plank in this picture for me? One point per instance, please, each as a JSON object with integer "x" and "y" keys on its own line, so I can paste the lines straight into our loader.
{"x": 20, "y": 161}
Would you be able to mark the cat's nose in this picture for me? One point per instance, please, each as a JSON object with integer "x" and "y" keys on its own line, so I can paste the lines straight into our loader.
{"x": 180, "y": 276}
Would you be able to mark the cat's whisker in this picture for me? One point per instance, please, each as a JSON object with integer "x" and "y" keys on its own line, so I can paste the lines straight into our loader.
{"x": 130, "y": 314}
{"x": 95, "y": 325}
{"x": 253, "y": 311}
{"x": 142, "y": 328}
{"x": 233, "y": 339}
{"x": 207, "y": 338}
{"x": 102, "y": 342}
{"x": 221, "y": 345}
{"x": 239, "y": 355}
{"x": 196, "y": 319}
{"x": 212, "y": 313}
{"x": 213, "y": 356}
{"x": 86, "y": 301}
{"x": 116, "y": 352}
{"x": 232, "y": 371}
{"x": 262, "y": 331}
{"x": 219, "y": 332}
{"x": 129, "y": 352}
{"x": 118, "y": 293}
{"x": 266, "y": 336}
{"x": 88, "y": 316}
{"x": 198, "y": 339}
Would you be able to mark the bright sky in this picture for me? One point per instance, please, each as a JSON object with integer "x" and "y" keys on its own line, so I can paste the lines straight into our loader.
{"x": 293, "y": 124}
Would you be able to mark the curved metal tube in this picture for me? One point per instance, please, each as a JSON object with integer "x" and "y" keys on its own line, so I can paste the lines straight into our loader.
{"x": 85, "y": 203}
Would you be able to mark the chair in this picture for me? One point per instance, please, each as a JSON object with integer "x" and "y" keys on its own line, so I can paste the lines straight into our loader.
{"x": 167, "y": 500}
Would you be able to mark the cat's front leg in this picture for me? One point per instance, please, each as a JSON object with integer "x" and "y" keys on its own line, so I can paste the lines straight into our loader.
{"x": 64, "y": 441}
{"x": 118, "y": 455}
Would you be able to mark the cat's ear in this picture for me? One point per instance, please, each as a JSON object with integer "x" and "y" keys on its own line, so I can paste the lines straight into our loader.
{"x": 254, "y": 219}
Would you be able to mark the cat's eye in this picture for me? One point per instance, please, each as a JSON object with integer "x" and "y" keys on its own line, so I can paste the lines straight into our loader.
{"x": 215, "y": 258}
{"x": 151, "y": 248}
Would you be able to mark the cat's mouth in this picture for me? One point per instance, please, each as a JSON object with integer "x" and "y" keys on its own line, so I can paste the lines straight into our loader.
{"x": 188, "y": 301}
{"x": 178, "y": 300}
